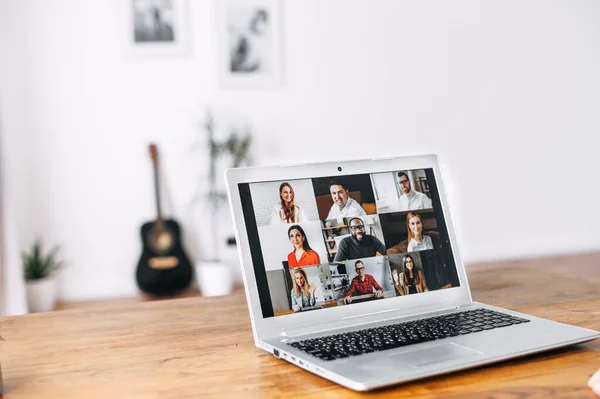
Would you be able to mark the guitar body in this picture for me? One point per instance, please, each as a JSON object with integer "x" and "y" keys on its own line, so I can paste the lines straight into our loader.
{"x": 164, "y": 268}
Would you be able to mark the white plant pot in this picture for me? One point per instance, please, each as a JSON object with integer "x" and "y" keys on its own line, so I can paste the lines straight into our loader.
{"x": 41, "y": 294}
{"x": 214, "y": 278}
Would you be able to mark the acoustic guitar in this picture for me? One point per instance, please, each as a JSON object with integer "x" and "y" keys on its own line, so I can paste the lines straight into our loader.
{"x": 164, "y": 268}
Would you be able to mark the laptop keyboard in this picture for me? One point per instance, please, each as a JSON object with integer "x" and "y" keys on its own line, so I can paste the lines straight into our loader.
{"x": 392, "y": 336}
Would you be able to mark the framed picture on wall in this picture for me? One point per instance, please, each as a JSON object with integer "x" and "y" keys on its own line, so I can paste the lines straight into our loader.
{"x": 156, "y": 27}
{"x": 250, "y": 39}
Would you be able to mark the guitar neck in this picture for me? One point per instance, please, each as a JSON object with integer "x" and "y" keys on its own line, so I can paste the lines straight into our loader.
{"x": 154, "y": 156}
{"x": 157, "y": 195}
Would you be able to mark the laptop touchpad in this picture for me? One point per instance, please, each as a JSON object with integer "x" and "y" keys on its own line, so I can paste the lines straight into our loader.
{"x": 437, "y": 354}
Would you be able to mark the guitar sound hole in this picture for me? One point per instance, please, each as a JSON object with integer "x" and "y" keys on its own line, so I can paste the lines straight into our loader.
{"x": 161, "y": 241}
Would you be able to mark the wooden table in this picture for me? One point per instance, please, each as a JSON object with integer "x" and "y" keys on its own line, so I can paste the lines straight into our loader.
{"x": 200, "y": 347}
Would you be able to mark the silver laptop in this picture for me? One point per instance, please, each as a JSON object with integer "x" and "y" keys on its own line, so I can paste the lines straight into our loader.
{"x": 353, "y": 272}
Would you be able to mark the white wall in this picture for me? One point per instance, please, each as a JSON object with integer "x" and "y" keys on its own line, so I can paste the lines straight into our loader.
{"x": 506, "y": 92}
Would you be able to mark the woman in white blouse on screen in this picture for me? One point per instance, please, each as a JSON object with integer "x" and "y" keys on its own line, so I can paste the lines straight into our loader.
{"x": 286, "y": 211}
{"x": 416, "y": 240}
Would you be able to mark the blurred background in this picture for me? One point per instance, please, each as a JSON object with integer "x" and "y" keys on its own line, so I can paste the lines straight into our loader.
{"x": 506, "y": 92}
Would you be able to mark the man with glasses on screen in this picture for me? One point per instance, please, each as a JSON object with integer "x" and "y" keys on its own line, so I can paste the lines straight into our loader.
{"x": 363, "y": 284}
{"x": 359, "y": 244}
{"x": 410, "y": 199}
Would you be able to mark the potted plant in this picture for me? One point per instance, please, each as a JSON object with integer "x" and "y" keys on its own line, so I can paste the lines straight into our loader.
{"x": 213, "y": 272}
{"x": 39, "y": 269}
{"x": 237, "y": 146}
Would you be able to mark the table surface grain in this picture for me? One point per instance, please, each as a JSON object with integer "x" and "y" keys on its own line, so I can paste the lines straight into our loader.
{"x": 201, "y": 347}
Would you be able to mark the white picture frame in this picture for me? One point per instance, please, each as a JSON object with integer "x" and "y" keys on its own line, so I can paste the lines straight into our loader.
{"x": 155, "y": 27}
{"x": 249, "y": 43}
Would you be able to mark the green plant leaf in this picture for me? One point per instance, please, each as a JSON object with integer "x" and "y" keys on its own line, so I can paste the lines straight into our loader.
{"x": 37, "y": 265}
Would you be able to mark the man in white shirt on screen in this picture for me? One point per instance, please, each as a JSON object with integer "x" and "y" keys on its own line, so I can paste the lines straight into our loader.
{"x": 410, "y": 199}
{"x": 343, "y": 205}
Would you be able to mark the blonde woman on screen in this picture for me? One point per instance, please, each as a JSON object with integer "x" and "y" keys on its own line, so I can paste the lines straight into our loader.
{"x": 303, "y": 294}
{"x": 416, "y": 240}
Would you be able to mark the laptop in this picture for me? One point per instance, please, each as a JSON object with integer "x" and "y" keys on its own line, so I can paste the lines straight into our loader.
{"x": 353, "y": 272}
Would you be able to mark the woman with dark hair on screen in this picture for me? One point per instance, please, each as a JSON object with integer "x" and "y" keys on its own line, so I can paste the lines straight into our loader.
{"x": 287, "y": 211}
{"x": 411, "y": 280}
{"x": 302, "y": 255}
{"x": 416, "y": 240}
{"x": 303, "y": 294}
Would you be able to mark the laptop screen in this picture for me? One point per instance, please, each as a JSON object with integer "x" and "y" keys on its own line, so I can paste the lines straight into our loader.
{"x": 344, "y": 240}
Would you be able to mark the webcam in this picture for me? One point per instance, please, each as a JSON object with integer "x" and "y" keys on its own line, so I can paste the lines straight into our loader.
{"x": 339, "y": 168}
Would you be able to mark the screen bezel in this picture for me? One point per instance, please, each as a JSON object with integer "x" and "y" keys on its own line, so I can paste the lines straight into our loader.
{"x": 272, "y": 326}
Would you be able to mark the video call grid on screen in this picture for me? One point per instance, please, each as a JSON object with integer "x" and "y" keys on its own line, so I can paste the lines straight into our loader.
{"x": 342, "y": 240}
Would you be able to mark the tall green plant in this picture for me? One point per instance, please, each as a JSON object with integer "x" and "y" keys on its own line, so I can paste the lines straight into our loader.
{"x": 37, "y": 264}
{"x": 237, "y": 145}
